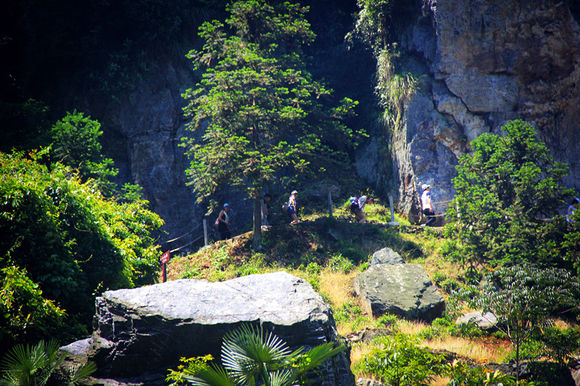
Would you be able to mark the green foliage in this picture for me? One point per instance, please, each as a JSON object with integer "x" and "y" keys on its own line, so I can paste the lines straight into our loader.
{"x": 398, "y": 360}
{"x": 68, "y": 238}
{"x": 504, "y": 190}
{"x": 461, "y": 373}
{"x": 189, "y": 367}
{"x": 339, "y": 263}
{"x": 251, "y": 356}
{"x": 561, "y": 344}
{"x": 35, "y": 365}
{"x": 522, "y": 298}
{"x": 23, "y": 310}
{"x": 76, "y": 144}
{"x": 257, "y": 106}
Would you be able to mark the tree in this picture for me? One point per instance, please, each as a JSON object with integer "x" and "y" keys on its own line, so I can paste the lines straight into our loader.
{"x": 250, "y": 357}
{"x": 76, "y": 144}
{"x": 69, "y": 243}
{"x": 257, "y": 106}
{"x": 506, "y": 193}
{"x": 522, "y": 298}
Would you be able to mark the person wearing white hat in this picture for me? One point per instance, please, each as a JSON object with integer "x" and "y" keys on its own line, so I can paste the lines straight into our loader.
{"x": 427, "y": 205}
{"x": 293, "y": 207}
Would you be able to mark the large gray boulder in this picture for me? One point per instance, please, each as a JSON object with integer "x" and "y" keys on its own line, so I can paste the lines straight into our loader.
{"x": 386, "y": 256}
{"x": 144, "y": 331}
{"x": 400, "y": 289}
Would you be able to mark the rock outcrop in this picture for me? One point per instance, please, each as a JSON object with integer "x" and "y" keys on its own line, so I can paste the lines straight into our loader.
{"x": 140, "y": 333}
{"x": 482, "y": 63}
{"x": 386, "y": 256}
{"x": 400, "y": 289}
{"x": 483, "y": 320}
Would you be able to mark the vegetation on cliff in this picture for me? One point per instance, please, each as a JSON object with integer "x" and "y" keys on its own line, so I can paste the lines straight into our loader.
{"x": 63, "y": 240}
{"x": 257, "y": 105}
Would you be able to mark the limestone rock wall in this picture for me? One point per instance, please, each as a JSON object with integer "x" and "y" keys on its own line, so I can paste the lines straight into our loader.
{"x": 486, "y": 62}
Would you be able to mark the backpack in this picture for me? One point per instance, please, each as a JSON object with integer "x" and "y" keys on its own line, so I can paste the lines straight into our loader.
{"x": 354, "y": 207}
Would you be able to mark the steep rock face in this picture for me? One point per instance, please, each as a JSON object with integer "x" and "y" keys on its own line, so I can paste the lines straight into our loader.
{"x": 141, "y": 332}
{"x": 487, "y": 61}
{"x": 146, "y": 127}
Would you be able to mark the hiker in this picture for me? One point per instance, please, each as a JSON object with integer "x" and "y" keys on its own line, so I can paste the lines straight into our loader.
{"x": 357, "y": 206}
{"x": 293, "y": 207}
{"x": 223, "y": 223}
{"x": 265, "y": 210}
{"x": 427, "y": 206}
{"x": 571, "y": 209}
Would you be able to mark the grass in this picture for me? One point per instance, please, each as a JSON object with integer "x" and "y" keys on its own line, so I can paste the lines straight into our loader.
{"x": 329, "y": 253}
{"x": 478, "y": 350}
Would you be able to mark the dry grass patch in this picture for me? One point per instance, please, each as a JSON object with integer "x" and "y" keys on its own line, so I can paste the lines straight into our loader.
{"x": 409, "y": 327}
{"x": 358, "y": 352}
{"x": 477, "y": 350}
{"x": 337, "y": 286}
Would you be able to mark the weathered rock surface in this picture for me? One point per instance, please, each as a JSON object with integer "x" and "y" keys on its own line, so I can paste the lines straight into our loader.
{"x": 400, "y": 289}
{"x": 485, "y": 321}
{"x": 144, "y": 331}
{"x": 482, "y": 63}
{"x": 386, "y": 256}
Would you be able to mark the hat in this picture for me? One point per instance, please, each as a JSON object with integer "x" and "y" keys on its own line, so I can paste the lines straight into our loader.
{"x": 352, "y": 200}
{"x": 426, "y": 186}
{"x": 294, "y": 192}
{"x": 226, "y": 205}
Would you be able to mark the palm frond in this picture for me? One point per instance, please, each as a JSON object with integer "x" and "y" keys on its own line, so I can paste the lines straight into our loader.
{"x": 80, "y": 373}
{"x": 247, "y": 351}
{"x": 318, "y": 355}
{"x": 213, "y": 375}
{"x": 282, "y": 378}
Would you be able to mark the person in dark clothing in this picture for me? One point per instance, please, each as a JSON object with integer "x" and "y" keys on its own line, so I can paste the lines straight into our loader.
{"x": 223, "y": 223}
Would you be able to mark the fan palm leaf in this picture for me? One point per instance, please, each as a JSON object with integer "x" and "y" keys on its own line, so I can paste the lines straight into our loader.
{"x": 211, "y": 376}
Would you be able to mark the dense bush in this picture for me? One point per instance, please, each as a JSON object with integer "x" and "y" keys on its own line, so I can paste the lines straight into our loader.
{"x": 505, "y": 191}
{"x": 63, "y": 235}
{"x": 398, "y": 360}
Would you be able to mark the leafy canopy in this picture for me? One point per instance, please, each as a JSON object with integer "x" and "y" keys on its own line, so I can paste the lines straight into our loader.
{"x": 67, "y": 241}
{"x": 506, "y": 193}
{"x": 258, "y": 108}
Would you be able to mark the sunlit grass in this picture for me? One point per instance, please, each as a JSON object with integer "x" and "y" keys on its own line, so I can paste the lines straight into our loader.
{"x": 337, "y": 286}
{"x": 411, "y": 327}
{"x": 477, "y": 349}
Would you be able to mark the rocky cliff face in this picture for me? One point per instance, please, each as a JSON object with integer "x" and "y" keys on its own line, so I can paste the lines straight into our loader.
{"x": 484, "y": 62}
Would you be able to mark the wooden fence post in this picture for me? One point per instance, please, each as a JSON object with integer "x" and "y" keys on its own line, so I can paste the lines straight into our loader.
{"x": 392, "y": 210}
{"x": 205, "y": 238}
{"x": 329, "y": 203}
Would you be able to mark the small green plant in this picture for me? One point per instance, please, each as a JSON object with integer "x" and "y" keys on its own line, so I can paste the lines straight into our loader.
{"x": 189, "y": 367}
{"x": 561, "y": 344}
{"x": 387, "y": 321}
{"x": 339, "y": 263}
{"x": 461, "y": 373}
{"x": 398, "y": 360}
{"x": 36, "y": 365}
{"x": 251, "y": 356}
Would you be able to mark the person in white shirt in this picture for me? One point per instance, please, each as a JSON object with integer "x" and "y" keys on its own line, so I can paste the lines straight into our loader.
{"x": 427, "y": 205}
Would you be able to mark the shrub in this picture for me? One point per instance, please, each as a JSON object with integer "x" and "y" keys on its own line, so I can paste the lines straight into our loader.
{"x": 70, "y": 240}
{"x": 561, "y": 344}
{"x": 251, "y": 356}
{"x": 339, "y": 263}
{"x": 36, "y": 365}
{"x": 398, "y": 360}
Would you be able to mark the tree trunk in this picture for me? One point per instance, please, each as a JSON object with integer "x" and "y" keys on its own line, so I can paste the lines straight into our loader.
{"x": 257, "y": 241}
